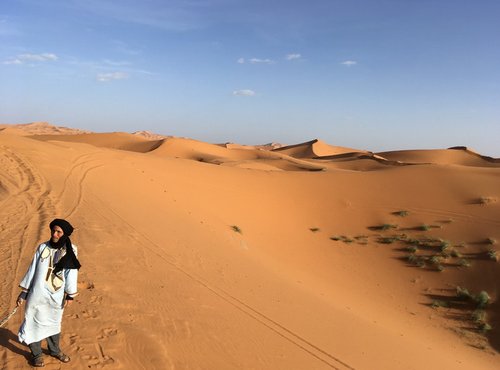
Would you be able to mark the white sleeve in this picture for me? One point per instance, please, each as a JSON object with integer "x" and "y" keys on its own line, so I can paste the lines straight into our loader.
{"x": 25, "y": 283}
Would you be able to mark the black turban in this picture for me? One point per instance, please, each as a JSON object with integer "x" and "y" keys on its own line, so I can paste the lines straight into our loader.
{"x": 63, "y": 224}
{"x": 69, "y": 260}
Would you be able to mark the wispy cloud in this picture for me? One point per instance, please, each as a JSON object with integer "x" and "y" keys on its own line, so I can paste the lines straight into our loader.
{"x": 173, "y": 15}
{"x": 261, "y": 61}
{"x": 241, "y": 60}
{"x": 116, "y": 63}
{"x": 106, "y": 77}
{"x": 293, "y": 56}
{"x": 349, "y": 63}
{"x": 32, "y": 58}
{"x": 244, "y": 92}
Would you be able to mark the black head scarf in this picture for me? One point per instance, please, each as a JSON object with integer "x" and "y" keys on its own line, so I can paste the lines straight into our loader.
{"x": 69, "y": 260}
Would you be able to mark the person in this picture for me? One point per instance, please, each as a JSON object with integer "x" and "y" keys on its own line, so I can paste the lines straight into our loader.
{"x": 49, "y": 285}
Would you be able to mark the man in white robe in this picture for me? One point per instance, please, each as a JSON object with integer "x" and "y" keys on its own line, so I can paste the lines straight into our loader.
{"x": 49, "y": 285}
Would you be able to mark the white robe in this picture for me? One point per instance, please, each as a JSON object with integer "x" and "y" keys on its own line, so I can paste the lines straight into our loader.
{"x": 44, "y": 304}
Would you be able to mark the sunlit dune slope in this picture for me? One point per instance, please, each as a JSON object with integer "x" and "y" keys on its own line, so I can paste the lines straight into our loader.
{"x": 199, "y": 256}
{"x": 458, "y": 156}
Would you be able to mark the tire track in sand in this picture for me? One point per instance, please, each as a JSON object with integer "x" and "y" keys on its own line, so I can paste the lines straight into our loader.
{"x": 23, "y": 211}
{"x": 281, "y": 330}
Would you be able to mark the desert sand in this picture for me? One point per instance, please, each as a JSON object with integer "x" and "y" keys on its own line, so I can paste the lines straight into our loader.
{"x": 225, "y": 256}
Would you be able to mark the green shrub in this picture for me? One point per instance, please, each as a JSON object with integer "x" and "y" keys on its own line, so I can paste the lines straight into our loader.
{"x": 438, "y": 303}
{"x": 236, "y": 229}
{"x": 479, "y": 316}
{"x": 464, "y": 262}
{"x": 463, "y": 294}
{"x": 482, "y": 299}
{"x": 492, "y": 255}
{"x": 401, "y": 213}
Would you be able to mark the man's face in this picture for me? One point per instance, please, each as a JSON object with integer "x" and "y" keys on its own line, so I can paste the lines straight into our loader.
{"x": 57, "y": 232}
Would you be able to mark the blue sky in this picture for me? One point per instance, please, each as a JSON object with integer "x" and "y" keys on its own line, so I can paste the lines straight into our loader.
{"x": 376, "y": 75}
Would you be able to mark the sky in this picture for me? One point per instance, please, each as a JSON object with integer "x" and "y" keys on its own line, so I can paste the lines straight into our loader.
{"x": 374, "y": 75}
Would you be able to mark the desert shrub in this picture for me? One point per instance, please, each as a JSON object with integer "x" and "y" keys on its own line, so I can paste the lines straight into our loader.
{"x": 336, "y": 238}
{"x": 401, "y": 213}
{"x": 423, "y": 227}
{"x": 484, "y": 327}
{"x": 412, "y": 249}
{"x": 387, "y": 239}
{"x": 444, "y": 245}
{"x": 485, "y": 200}
{"x": 490, "y": 241}
{"x": 236, "y": 229}
{"x": 463, "y": 294}
{"x": 439, "y": 303}
{"x": 482, "y": 299}
{"x": 478, "y": 316}
{"x": 464, "y": 262}
{"x": 314, "y": 229}
{"x": 455, "y": 253}
{"x": 492, "y": 255}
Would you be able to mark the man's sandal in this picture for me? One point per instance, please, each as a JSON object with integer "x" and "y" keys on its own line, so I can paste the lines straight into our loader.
{"x": 38, "y": 362}
{"x": 62, "y": 357}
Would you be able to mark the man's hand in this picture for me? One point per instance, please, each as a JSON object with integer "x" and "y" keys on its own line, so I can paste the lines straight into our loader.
{"x": 67, "y": 302}
{"x": 21, "y": 298}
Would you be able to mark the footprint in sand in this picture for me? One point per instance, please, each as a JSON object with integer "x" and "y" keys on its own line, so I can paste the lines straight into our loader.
{"x": 107, "y": 332}
{"x": 90, "y": 314}
{"x": 96, "y": 299}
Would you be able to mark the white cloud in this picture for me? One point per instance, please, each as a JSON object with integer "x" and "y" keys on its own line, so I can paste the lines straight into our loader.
{"x": 263, "y": 61}
{"x": 349, "y": 63}
{"x": 241, "y": 60}
{"x": 106, "y": 77}
{"x": 13, "y": 61}
{"x": 293, "y": 56}
{"x": 24, "y": 58}
{"x": 244, "y": 92}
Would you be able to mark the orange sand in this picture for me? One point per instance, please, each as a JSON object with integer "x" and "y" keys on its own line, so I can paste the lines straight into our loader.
{"x": 167, "y": 282}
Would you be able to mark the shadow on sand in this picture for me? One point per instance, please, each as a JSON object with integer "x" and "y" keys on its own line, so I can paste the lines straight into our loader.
{"x": 9, "y": 341}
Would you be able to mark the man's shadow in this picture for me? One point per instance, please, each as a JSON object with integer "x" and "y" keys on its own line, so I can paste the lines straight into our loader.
{"x": 8, "y": 340}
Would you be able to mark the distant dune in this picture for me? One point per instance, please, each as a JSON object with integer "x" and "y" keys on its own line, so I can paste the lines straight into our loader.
{"x": 230, "y": 256}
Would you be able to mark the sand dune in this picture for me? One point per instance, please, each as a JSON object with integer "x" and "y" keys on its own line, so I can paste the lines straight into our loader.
{"x": 315, "y": 149}
{"x": 459, "y": 156}
{"x": 203, "y": 256}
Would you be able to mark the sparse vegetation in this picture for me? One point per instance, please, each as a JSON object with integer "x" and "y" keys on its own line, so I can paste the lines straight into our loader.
{"x": 479, "y": 316}
{"x": 484, "y": 327}
{"x": 415, "y": 260}
{"x": 463, "y": 294}
{"x": 439, "y": 303}
{"x": 464, "y": 263}
{"x": 444, "y": 245}
{"x": 491, "y": 241}
{"x": 493, "y": 255}
{"x": 423, "y": 227}
{"x": 314, "y": 229}
{"x": 335, "y": 238}
{"x": 387, "y": 239}
{"x": 236, "y": 229}
{"x": 412, "y": 249}
{"x": 482, "y": 299}
{"x": 401, "y": 213}
{"x": 485, "y": 200}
